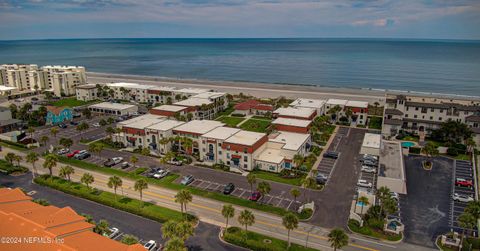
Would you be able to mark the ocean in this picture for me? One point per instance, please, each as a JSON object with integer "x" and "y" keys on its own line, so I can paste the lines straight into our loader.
{"x": 439, "y": 66}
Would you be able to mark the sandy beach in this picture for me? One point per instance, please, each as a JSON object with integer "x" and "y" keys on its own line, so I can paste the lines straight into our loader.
{"x": 262, "y": 90}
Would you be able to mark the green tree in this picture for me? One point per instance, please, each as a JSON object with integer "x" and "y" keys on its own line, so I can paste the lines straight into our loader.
{"x": 109, "y": 131}
{"x": 334, "y": 112}
{"x": 134, "y": 160}
{"x": 430, "y": 150}
{"x": 364, "y": 202}
{"x": 183, "y": 197}
{"x": 264, "y": 188}
{"x": 81, "y": 128}
{"x": 95, "y": 148}
{"x": 140, "y": 185}
{"x": 129, "y": 239}
{"x": 467, "y": 222}
{"x": 87, "y": 113}
{"x": 337, "y": 238}
{"x": 453, "y": 131}
{"x": 10, "y": 158}
{"x": 174, "y": 244}
{"x": 54, "y": 131}
{"x": 110, "y": 120}
{"x": 50, "y": 162}
{"x": 32, "y": 158}
{"x": 43, "y": 140}
{"x": 290, "y": 222}
{"x": 228, "y": 212}
{"x": 145, "y": 151}
{"x": 246, "y": 218}
{"x": 102, "y": 227}
{"x": 298, "y": 160}
{"x": 308, "y": 182}
{"x": 31, "y": 131}
{"x": 473, "y": 208}
{"x": 295, "y": 193}
{"x": 66, "y": 171}
{"x": 383, "y": 194}
{"x": 251, "y": 179}
{"x": 66, "y": 142}
{"x": 102, "y": 122}
{"x": 87, "y": 179}
{"x": 17, "y": 159}
{"x": 114, "y": 182}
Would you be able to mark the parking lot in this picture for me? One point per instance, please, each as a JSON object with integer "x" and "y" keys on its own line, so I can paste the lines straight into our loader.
{"x": 463, "y": 170}
{"x": 275, "y": 200}
{"x": 92, "y": 133}
{"x": 327, "y": 165}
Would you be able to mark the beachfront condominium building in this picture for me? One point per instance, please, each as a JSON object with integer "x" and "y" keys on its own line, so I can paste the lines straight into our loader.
{"x": 117, "y": 109}
{"x": 133, "y": 130}
{"x": 358, "y": 110}
{"x": 87, "y": 92}
{"x": 211, "y": 144}
{"x": 295, "y": 113}
{"x": 317, "y": 104}
{"x": 292, "y": 125}
{"x": 239, "y": 150}
{"x": 421, "y": 114}
{"x": 194, "y": 130}
{"x": 24, "y": 77}
{"x": 63, "y": 80}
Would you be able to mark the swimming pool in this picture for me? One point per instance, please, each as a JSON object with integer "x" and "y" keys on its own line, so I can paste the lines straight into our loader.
{"x": 407, "y": 144}
{"x": 361, "y": 204}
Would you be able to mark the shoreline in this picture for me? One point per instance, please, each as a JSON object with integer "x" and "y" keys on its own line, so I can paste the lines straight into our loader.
{"x": 266, "y": 90}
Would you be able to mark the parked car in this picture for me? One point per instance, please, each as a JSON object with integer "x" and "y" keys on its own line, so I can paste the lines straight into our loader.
{"x": 152, "y": 171}
{"x": 175, "y": 162}
{"x": 462, "y": 198}
{"x": 364, "y": 183}
{"x": 187, "y": 180}
{"x": 255, "y": 196}
{"x": 62, "y": 125}
{"x": 150, "y": 245}
{"x": 73, "y": 123}
{"x": 72, "y": 154}
{"x": 160, "y": 174}
{"x": 117, "y": 160}
{"x": 108, "y": 163}
{"x": 463, "y": 183}
{"x": 124, "y": 165}
{"x": 369, "y": 169}
{"x": 370, "y": 157}
{"x": 394, "y": 195}
{"x": 63, "y": 151}
{"x": 83, "y": 154}
{"x": 228, "y": 189}
{"x": 113, "y": 231}
{"x": 330, "y": 154}
{"x": 96, "y": 125}
{"x": 34, "y": 99}
{"x": 369, "y": 163}
{"x": 321, "y": 178}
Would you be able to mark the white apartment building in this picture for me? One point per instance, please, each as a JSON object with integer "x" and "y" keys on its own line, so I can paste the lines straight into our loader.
{"x": 240, "y": 150}
{"x": 130, "y": 91}
{"x": 109, "y": 108}
{"x": 195, "y": 129}
{"x": 359, "y": 109}
{"x": 420, "y": 115}
{"x": 133, "y": 130}
{"x": 211, "y": 144}
{"x": 317, "y": 104}
{"x": 155, "y": 133}
{"x": 87, "y": 92}
{"x": 295, "y": 113}
{"x": 63, "y": 80}
{"x": 23, "y": 77}
{"x": 205, "y": 105}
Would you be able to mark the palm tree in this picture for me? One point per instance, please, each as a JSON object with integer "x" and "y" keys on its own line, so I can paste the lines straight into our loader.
{"x": 264, "y": 188}
{"x": 30, "y": 131}
{"x": 10, "y": 158}
{"x": 164, "y": 142}
{"x": 31, "y": 158}
{"x": 109, "y": 131}
{"x": 383, "y": 194}
{"x": 470, "y": 143}
{"x": 145, "y": 151}
{"x": 88, "y": 179}
{"x": 184, "y": 230}
{"x": 66, "y": 171}
{"x": 290, "y": 222}
{"x": 44, "y": 139}
{"x": 54, "y": 132}
{"x": 430, "y": 150}
{"x": 140, "y": 185}
{"x": 466, "y": 221}
{"x": 50, "y": 162}
{"x": 81, "y": 128}
{"x": 95, "y": 148}
{"x": 364, "y": 201}
{"x": 251, "y": 179}
{"x": 17, "y": 159}
{"x": 114, "y": 182}
{"x": 337, "y": 238}
{"x": 228, "y": 212}
{"x": 134, "y": 160}
{"x": 334, "y": 112}
{"x": 473, "y": 208}
{"x": 295, "y": 193}
{"x": 169, "y": 229}
{"x": 246, "y": 218}
{"x": 65, "y": 142}
{"x": 309, "y": 182}
{"x": 183, "y": 197}
{"x": 101, "y": 227}
{"x": 174, "y": 244}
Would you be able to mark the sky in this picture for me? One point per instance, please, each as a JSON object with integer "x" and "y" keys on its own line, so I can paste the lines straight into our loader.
{"x": 417, "y": 19}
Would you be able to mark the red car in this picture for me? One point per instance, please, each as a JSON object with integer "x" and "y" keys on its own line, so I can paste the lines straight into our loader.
{"x": 70, "y": 155}
{"x": 255, "y": 196}
{"x": 463, "y": 183}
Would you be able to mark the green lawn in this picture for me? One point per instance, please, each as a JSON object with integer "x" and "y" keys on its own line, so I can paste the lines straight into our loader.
{"x": 231, "y": 121}
{"x": 261, "y": 117}
{"x": 264, "y": 175}
{"x": 255, "y": 125}
{"x": 8, "y": 168}
{"x": 71, "y": 102}
{"x": 127, "y": 204}
{"x": 227, "y": 111}
{"x": 375, "y": 122}
{"x": 13, "y": 145}
{"x": 255, "y": 241}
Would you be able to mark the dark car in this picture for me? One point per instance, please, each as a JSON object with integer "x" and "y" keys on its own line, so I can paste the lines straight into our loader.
{"x": 228, "y": 189}
{"x": 82, "y": 156}
{"x": 73, "y": 123}
{"x": 34, "y": 99}
{"x": 330, "y": 154}
{"x": 109, "y": 163}
{"x": 321, "y": 178}
{"x": 255, "y": 196}
{"x": 62, "y": 125}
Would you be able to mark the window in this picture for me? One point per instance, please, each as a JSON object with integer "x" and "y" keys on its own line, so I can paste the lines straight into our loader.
{"x": 475, "y": 124}
{"x": 245, "y": 150}
{"x": 431, "y": 118}
{"x": 406, "y": 115}
{"x": 406, "y": 108}
{"x": 271, "y": 168}
{"x": 416, "y": 108}
{"x": 245, "y": 166}
{"x": 219, "y": 144}
{"x": 245, "y": 158}
{"x": 441, "y": 110}
{"x": 440, "y": 118}
{"x": 228, "y": 155}
{"x": 415, "y": 116}
{"x": 361, "y": 116}
{"x": 220, "y": 152}
{"x": 432, "y": 110}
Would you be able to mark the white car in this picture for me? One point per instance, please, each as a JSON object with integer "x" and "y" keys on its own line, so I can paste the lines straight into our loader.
{"x": 117, "y": 160}
{"x": 371, "y": 157}
{"x": 96, "y": 125}
{"x": 150, "y": 245}
{"x": 462, "y": 198}
{"x": 364, "y": 183}
{"x": 113, "y": 231}
{"x": 63, "y": 151}
{"x": 160, "y": 174}
{"x": 394, "y": 195}
{"x": 369, "y": 169}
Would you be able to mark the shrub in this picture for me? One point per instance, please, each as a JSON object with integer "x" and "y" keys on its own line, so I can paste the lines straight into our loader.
{"x": 237, "y": 115}
{"x": 305, "y": 213}
{"x": 316, "y": 150}
{"x": 452, "y": 151}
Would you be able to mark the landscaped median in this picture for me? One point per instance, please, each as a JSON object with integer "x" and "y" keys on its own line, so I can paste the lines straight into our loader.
{"x": 354, "y": 226}
{"x": 134, "y": 206}
{"x": 256, "y": 241}
{"x": 168, "y": 182}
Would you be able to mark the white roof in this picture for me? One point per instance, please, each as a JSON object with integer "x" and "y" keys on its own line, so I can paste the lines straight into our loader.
{"x": 208, "y": 95}
{"x": 130, "y": 85}
{"x": 245, "y": 138}
{"x": 305, "y": 102}
{"x": 292, "y": 141}
{"x": 7, "y": 88}
{"x": 194, "y": 102}
{"x": 292, "y": 122}
{"x": 199, "y": 126}
{"x": 86, "y": 86}
{"x": 221, "y": 133}
{"x": 340, "y": 102}
{"x": 163, "y": 88}
{"x": 270, "y": 155}
{"x": 139, "y": 118}
{"x": 372, "y": 140}
{"x": 192, "y": 91}
{"x": 302, "y": 112}
{"x": 112, "y": 106}
{"x": 360, "y": 104}
{"x": 165, "y": 125}
{"x": 144, "y": 123}
{"x": 170, "y": 108}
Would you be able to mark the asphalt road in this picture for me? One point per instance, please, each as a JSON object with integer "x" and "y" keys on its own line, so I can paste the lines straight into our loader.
{"x": 205, "y": 238}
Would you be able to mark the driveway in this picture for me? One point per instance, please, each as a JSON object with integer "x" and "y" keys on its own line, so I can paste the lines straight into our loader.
{"x": 205, "y": 238}
{"x": 425, "y": 210}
